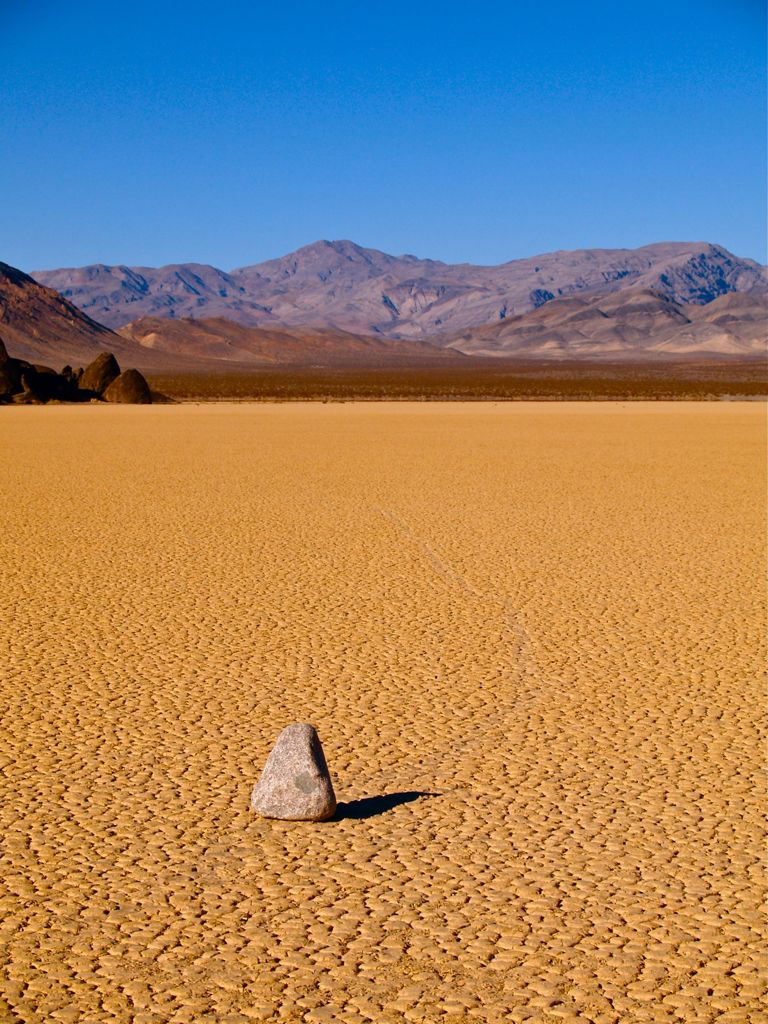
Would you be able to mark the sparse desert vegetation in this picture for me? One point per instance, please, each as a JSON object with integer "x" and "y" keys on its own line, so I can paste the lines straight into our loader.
{"x": 475, "y": 380}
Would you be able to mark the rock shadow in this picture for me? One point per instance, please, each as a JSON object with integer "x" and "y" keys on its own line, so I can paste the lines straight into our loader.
{"x": 370, "y": 806}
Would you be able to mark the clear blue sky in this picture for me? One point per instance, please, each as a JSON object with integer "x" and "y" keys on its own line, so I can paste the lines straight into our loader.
{"x": 232, "y": 132}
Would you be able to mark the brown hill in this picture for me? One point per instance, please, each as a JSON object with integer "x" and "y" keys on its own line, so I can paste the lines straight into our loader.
{"x": 344, "y": 286}
{"x": 40, "y": 326}
{"x": 631, "y": 324}
{"x": 238, "y": 345}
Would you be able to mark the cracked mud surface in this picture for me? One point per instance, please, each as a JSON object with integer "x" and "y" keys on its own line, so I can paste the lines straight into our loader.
{"x": 531, "y": 639}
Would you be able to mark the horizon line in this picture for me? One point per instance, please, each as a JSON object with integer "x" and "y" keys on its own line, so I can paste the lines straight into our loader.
{"x": 382, "y": 252}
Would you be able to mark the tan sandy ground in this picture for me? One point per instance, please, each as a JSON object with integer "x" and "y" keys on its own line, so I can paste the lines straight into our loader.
{"x": 550, "y": 616}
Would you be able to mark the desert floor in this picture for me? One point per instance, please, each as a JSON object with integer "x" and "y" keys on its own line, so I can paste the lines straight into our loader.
{"x": 536, "y": 630}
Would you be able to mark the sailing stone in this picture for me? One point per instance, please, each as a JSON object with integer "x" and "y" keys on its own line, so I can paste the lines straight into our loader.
{"x": 295, "y": 784}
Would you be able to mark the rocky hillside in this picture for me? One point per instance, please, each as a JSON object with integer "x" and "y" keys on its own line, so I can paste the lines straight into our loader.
{"x": 635, "y": 323}
{"x": 343, "y": 286}
{"x": 41, "y": 326}
{"x": 232, "y": 343}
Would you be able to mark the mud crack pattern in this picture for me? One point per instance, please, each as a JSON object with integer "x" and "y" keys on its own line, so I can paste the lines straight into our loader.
{"x": 549, "y": 618}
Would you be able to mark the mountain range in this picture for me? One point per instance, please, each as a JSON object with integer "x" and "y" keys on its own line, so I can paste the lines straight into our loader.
{"x": 344, "y": 286}
{"x": 39, "y": 325}
{"x": 634, "y": 323}
{"x": 332, "y": 303}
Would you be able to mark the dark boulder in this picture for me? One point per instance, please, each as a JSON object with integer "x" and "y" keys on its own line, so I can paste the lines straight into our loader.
{"x": 10, "y": 376}
{"x": 129, "y": 388}
{"x": 26, "y": 398}
{"x": 37, "y": 383}
{"x": 72, "y": 378}
{"x": 40, "y": 383}
{"x": 99, "y": 374}
{"x": 49, "y": 386}
{"x": 25, "y": 384}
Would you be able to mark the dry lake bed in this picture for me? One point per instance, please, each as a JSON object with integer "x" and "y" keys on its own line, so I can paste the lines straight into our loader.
{"x": 531, "y": 638}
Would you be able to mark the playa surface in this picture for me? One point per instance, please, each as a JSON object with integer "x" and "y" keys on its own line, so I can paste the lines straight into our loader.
{"x": 531, "y": 639}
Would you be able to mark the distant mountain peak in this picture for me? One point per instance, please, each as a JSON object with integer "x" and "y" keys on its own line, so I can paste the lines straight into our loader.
{"x": 671, "y": 299}
{"x": 338, "y": 283}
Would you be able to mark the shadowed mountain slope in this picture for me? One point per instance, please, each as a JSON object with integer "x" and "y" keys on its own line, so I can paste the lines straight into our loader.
{"x": 344, "y": 286}
{"x": 38, "y": 325}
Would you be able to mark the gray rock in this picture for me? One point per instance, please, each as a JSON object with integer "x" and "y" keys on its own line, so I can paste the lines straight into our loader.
{"x": 295, "y": 784}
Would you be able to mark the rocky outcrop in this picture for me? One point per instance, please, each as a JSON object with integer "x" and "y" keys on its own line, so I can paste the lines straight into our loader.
{"x": 25, "y": 383}
{"x": 99, "y": 374}
{"x": 295, "y": 784}
{"x": 130, "y": 388}
{"x": 33, "y": 384}
{"x": 10, "y": 374}
{"x": 44, "y": 384}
